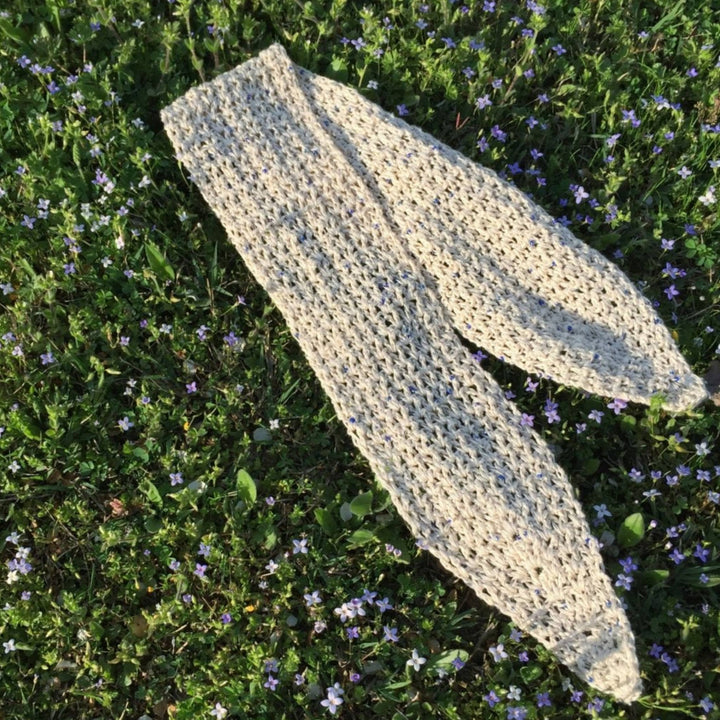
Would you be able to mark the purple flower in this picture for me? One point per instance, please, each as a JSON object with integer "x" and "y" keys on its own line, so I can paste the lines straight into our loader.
{"x": 527, "y": 420}
{"x": 498, "y": 134}
{"x": 577, "y": 696}
{"x": 491, "y": 699}
{"x": 597, "y": 705}
{"x": 635, "y": 474}
{"x": 516, "y": 713}
{"x": 624, "y": 581}
{"x": 543, "y": 700}
{"x": 271, "y": 683}
{"x": 28, "y": 222}
{"x": 676, "y": 556}
{"x": 231, "y": 339}
{"x": 449, "y": 42}
{"x": 671, "y": 663}
{"x": 551, "y": 411}
{"x": 200, "y": 570}
{"x": 580, "y": 194}
{"x": 300, "y": 546}
{"x": 701, "y": 553}
{"x": 226, "y": 618}
{"x": 176, "y": 478}
{"x": 671, "y": 292}
{"x": 191, "y": 387}
{"x": 617, "y": 405}
{"x": 402, "y": 110}
{"x": 334, "y": 699}
{"x": 391, "y": 634}
{"x": 596, "y": 415}
{"x": 629, "y": 116}
{"x": 458, "y": 663}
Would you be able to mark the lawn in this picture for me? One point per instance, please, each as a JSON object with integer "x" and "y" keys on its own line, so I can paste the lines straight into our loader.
{"x": 186, "y": 528}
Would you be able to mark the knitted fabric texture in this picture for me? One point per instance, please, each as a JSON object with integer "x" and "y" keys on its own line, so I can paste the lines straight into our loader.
{"x": 375, "y": 241}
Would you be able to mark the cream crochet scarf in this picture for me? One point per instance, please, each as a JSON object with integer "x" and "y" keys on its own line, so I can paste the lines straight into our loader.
{"x": 377, "y": 242}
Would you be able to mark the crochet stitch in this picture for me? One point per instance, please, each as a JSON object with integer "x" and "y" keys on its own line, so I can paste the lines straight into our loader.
{"x": 375, "y": 240}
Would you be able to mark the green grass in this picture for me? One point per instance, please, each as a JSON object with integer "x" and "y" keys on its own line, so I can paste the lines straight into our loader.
{"x": 112, "y": 620}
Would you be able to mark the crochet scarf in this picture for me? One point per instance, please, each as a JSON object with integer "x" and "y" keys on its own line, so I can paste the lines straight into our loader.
{"x": 378, "y": 243}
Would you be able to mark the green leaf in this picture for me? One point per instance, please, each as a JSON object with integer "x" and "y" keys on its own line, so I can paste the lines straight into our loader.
{"x": 361, "y": 537}
{"x": 655, "y": 577}
{"x": 153, "y": 524}
{"x": 271, "y": 539}
{"x": 531, "y": 673}
{"x": 76, "y": 154}
{"x": 19, "y": 36}
{"x": 397, "y": 685}
{"x": 361, "y": 505}
{"x": 632, "y": 530}
{"x": 326, "y": 520}
{"x": 26, "y": 426}
{"x": 262, "y": 435}
{"x": 445, "y": 659}
{"x": 590, "y": 466}
{"x": 158, "y": 263}
{"x": 246, "y": 487}
{"x": 141, "y": 453}
{"x": 338, "y": 70}
{"x": 150, "y": 491}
